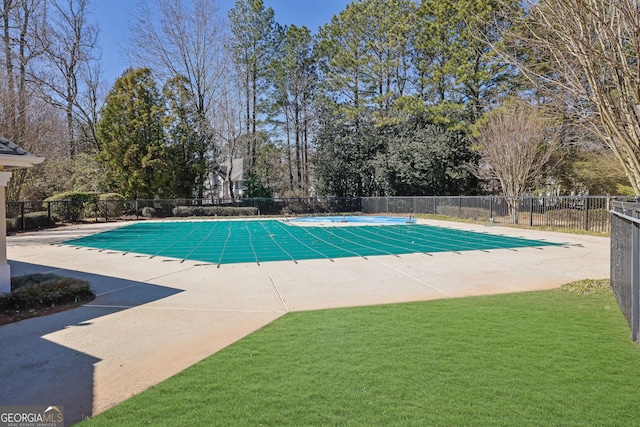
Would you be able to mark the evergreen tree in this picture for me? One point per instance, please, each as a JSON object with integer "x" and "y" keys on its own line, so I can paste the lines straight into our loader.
{"x": 253, "y": 41}
{"x": 295, "y": 78}
{"x": 424, "y": 158}
{"x": 459, "y": 74}
{"x": 181, "y": 123}
{"x": 131, "y": 136}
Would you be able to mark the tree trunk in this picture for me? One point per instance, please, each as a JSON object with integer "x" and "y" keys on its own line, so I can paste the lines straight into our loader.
{"x": 297, "y": 131}
{"x": 254, "y": 136}
{"x": 513, "y": 206}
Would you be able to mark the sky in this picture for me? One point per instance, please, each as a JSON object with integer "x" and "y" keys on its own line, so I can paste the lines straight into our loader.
{"x": 112, "y": 17}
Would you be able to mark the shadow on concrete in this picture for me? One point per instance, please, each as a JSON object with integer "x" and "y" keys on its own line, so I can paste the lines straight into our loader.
{"x": 35, "y": 371}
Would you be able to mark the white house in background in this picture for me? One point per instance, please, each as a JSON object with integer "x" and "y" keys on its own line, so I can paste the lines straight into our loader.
{"x": 11, "y": 157}
{"x": 230, "y": 175}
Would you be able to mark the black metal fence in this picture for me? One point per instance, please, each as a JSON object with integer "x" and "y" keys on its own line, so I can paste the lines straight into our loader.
{"x": 576, "y": 213}
{"x": 589, "y": 213}
{"x": 625, "y": 261}
{"x": 34, "y": 215}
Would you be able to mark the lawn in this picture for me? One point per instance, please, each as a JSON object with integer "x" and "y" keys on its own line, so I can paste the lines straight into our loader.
{"x": 540, "y": 358}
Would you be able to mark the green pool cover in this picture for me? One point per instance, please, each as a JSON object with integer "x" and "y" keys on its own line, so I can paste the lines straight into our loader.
{"x": 225, "y": 242}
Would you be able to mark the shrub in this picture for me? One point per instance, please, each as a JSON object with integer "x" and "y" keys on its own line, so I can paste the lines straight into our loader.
{"x": 72, "y": 206}
{"x": 111, "y": 196}
{"x": 302, "y": 206}
{"x": 34, "y": 220}
{"x": 148, "y": 212}
{"x": 44, "y": 290}
{"x": 112, "y": 205}
{"x": 214, "y": 211}
{"x": 73, "y": 195}
{"x": 266, "y": 206}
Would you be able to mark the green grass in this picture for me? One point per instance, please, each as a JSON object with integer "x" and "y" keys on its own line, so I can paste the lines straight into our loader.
{"x": 553, "y": 358}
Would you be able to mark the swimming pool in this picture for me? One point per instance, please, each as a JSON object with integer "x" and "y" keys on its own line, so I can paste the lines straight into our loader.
{"x": 240, "y": 241}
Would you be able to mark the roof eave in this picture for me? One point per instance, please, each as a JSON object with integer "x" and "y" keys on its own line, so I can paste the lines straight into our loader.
{"x": 12, "y": 161}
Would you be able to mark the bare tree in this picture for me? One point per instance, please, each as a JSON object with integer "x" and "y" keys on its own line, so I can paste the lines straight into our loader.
{"x": 21, "y": 21}
{"x": 88, "y": 105}
{"x": 181, "y": 38}
{"x": 23, "y": 118}
{"x": 584, "y": 56}
{"x": 514, "y": 144}
{"x": 68, "y": 73}
{"x": 32, "y": 114}
{"x": 228, "y": 126}
{"x": 46, "y": 137}
{"x": 184, "y": 37}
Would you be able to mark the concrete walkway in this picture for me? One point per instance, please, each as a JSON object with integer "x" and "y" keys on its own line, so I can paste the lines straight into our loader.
{"x": 154, "y": 317}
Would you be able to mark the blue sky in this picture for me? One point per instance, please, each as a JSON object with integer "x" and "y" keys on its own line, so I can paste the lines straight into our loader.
{"x": 112, "y": 16}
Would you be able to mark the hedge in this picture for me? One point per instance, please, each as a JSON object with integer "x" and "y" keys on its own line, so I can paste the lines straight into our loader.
{"x": 303, "y": 206}
{"x": 32, "y": 220}
{"x": 110, "y": 205}
{"x": 214, "y": 211}
{"x": 71, "y": 205}
{"x": 44, "y": 290}
{"x": 79, "y": 196}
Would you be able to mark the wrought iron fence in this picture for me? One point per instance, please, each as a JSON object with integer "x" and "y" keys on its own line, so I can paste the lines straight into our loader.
{"x": 625, "y": 261}
{"x": 34, "y": 215}
{"x": 264, "y": 206}
{"x": 577, "y": 213}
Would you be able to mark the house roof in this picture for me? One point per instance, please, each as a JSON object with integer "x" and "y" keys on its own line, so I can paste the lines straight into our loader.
{"x": 8, "y": 147}
{"x": 14, "y": 157}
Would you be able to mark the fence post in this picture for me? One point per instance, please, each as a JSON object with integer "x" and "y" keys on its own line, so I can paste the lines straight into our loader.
{"x": 586, "y": 213}
{"x": 24, "y": 222}
{"x": 490, "y": 208}
{"x": 635, "y": 271}
{"x": 387, "y": 199}
{"x": 530, "y": 211}
{"x": 459, "y": 206}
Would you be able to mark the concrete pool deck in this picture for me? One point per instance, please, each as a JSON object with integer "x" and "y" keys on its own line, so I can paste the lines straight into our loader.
{"x": 154, "y": 317}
